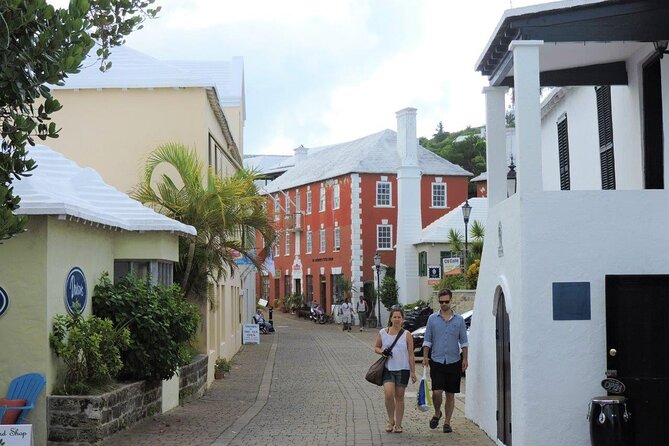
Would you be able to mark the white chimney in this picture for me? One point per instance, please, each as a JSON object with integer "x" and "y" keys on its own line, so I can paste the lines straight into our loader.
{"x": 409, "y": 219}
{"x": 300, "y": 154}
{"x": 407, "y": 143}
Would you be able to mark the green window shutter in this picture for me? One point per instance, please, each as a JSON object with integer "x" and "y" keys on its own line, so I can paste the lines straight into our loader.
{"x": 422, "y": 263}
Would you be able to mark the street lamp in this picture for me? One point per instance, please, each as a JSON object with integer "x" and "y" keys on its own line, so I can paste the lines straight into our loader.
{"x": 511, "y": 179}
{"x": 466, "y": 211}
{"x": 377, "y": 264}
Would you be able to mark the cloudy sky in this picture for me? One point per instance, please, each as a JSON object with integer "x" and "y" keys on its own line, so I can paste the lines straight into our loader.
{"x": 325, "y": 71}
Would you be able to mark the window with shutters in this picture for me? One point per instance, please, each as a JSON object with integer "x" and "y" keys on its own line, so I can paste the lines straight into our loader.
{"x": 422, "y": 263}
{"x": 563, "y": 152}
{"x": 605, "y": 126}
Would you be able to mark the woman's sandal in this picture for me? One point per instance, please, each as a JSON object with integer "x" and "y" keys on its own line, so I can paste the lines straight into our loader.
{"x": 390, "y": 425}
{"x": 398, "y": 429}
{"x": 434, "y": 422}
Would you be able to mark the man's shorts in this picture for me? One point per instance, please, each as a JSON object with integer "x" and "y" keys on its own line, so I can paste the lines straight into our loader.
{"x": 346, "y": 318}
{"x": 398, "y": 377}
{"x": 446, "y": 376}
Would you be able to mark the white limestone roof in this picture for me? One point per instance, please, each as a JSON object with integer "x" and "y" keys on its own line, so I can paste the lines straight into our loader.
{"x": 482, "y": 177}
{"x": 265, "y": 163}
{"x": 58, "y": 186}
{"x": 376, "y": 153}
{"x": 134, "y": 69}
{"x": 437, "y": 231}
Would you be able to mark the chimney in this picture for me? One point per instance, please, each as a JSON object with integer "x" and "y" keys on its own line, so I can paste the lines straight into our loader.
{"x": 408, "y": 206}
{"x": 300, "y": 154}
{"x": 407, "y": 142}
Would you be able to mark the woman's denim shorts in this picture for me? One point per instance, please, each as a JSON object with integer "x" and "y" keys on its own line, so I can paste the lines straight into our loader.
{"x": 398, "y": 377}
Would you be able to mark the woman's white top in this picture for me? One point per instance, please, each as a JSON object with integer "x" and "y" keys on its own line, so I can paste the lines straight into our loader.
{"x": 400, "y": 358}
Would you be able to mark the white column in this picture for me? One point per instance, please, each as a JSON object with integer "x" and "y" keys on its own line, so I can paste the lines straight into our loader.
{"x": 408, "y": 207}
{"x": 495, "y": 143}
{"x": 528, "y": 113}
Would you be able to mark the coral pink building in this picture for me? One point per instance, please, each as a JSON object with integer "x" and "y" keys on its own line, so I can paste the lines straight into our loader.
{"x": 338, "y": 206}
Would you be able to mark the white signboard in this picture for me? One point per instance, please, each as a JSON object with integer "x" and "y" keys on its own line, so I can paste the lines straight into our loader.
{"x": 16, "y": 435}
{"x": 262, "y": 302}
{"x": 451, "y": 265}
{"x": 251, "y": 334}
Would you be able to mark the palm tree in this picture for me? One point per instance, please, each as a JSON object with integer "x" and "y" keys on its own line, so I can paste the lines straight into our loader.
{"x": 226, "y": 212}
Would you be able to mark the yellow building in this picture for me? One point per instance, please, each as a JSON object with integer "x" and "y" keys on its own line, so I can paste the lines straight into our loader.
{"x": 140, "y": 103}
{"x": 79, "y": 227}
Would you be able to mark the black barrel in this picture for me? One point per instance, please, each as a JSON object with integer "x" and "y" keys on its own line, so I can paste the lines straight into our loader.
{"x": 610, "y": 421}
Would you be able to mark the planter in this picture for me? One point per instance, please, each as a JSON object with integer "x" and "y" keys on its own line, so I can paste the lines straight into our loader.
{"x": 92, "y": 418}
{"x": 219, "y": 374}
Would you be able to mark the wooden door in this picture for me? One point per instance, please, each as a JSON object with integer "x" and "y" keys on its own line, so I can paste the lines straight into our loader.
{"x": 637, "y": 336}
{"x": 503, "y": 373}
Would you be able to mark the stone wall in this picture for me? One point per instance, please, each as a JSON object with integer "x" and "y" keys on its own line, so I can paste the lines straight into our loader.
{"x": 193, "y": 379}
{"x": 463, "y": 300}
{"x": 82, "y": 420}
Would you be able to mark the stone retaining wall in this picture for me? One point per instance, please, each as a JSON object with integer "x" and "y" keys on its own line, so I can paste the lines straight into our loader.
{"x": 463, "y": 300}
{"x": 82, "y": 420}
{"x": 193, "y": 379}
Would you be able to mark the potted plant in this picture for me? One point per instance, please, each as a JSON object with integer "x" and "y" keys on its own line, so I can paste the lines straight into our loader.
{"x": 221, "y": 367}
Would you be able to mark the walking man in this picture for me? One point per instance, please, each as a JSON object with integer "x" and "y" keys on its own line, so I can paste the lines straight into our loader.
{"x": 347, "y": 313}
{"x": 445, "y": 335}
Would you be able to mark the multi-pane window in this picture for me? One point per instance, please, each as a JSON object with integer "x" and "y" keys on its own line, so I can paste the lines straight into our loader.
{"x": 309, "y": 242}
{"x": 335, "y": 196}
{"x": 159, "y": 272}
{"x": 322, "y": 240}
{"x": 275, "y": 201}
{"x": 298, "y": 205}
{"x": 265, "y": 287}
{"x": 605, "y": 126}
{"x": 308, "y": 210}
{"x": 321, "y": 207}
{"x": 277, "y": 246}
{"x": 383, "y": 193}
{"x": 422, "y": 263}
{"x": 287, "y": 201}
{"x": 563, "y": 152}
{"x": 337, "y": 242}
{"x": 438, "y": 195}
{"x": 287, "y": 244}
{"x": 384, "y": 236}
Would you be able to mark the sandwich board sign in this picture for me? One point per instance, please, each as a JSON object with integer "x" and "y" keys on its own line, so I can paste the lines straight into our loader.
{"x": 16, "y": 435}
{"x": 251, "y": 334}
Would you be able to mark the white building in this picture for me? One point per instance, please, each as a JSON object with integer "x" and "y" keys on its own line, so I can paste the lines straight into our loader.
{"x": 575, "y": 268}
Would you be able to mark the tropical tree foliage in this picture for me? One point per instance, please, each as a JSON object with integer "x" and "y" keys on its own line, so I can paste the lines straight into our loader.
{"x": 226, "y": 212}
{"x": 468, "y": 152}
{"x": 42, "y": 45}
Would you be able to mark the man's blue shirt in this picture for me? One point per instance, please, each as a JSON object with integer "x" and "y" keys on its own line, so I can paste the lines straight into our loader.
{"x": 445, "y": 338}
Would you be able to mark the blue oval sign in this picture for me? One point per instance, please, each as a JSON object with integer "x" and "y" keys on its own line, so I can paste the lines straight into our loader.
{"x": 4, "y": 301}
{"x": 613, "y": 385}
{"x": 76, "y": 291}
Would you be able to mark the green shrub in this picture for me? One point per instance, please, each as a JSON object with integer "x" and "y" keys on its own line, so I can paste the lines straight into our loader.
{"x": 418, "y": 303}
{"x": 389, "y": 290}
{"x": 90, "y": 348}
{"x": 452, "y": 282}
{"x": 160, "y": 321}
{"x": 222, "y": 365}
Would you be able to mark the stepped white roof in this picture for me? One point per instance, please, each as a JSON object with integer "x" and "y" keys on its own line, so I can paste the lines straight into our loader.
{"x": 376, "y": 153}
{"x": 437, "y": 231}
{"x": 266, "y": 163}
{"x": 58, "y": 186}
{"x": 134, "y": 69}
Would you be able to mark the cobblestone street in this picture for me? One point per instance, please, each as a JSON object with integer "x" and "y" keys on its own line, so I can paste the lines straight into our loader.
{"x": 303, "y": 385}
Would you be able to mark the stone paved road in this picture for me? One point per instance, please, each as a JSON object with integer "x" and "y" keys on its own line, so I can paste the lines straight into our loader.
{"x": 304, "y": 385}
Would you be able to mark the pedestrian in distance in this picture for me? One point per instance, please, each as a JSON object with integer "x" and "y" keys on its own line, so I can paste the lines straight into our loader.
{"x": 362, "y": 312}
{"x": 399, "y": 366}
{"x": 445, "y": 336}
{"x": 346, "y": 311}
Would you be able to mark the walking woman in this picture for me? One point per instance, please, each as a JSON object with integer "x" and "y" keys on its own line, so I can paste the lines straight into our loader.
{"x": 401, "y": 363}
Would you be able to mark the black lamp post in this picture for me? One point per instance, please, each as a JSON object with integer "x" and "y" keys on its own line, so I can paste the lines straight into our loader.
{"x": 511, "y": 179}
{"x": 377, "y": 264}
{"x": 466, "y": 211}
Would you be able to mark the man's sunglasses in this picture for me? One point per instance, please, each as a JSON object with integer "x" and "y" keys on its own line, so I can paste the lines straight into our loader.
{"x": 444, "y": 302}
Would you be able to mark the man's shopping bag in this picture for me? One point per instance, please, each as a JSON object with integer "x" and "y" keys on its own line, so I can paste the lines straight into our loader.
{"x": 424, "y": 399}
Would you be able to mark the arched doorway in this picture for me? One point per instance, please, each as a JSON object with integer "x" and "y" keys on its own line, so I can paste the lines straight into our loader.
{"x": 503, "y": 370}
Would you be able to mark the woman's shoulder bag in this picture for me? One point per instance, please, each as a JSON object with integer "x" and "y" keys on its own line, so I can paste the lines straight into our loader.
{"x": 375, "y": 373}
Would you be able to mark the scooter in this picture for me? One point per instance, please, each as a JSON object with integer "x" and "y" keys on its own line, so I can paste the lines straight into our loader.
{"x": 318, "y": 315}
